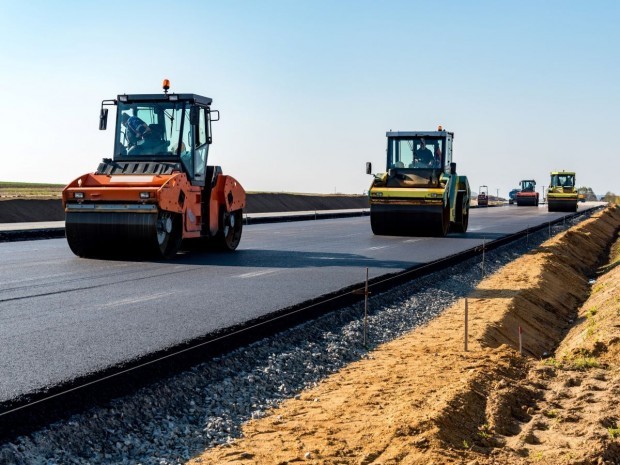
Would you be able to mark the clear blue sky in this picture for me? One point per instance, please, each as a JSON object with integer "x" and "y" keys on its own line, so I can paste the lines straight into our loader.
{"x": 307, "y": 89}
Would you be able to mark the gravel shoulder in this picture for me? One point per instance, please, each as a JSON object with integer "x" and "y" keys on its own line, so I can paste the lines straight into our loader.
{"x": 422, "y": 399}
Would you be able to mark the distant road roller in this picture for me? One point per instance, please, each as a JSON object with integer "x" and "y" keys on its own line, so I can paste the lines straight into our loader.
{"x": 562, "y": 195}
{"x": 527, "y": 196}
{"x": 483, "y": 196}
{"x": 420, "y": 193}
{"x": 582, "y": 192}
{"x": 158, "y": 189}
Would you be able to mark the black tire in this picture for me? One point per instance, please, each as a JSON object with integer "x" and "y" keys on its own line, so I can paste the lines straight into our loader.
{"x": 231, "y": 227}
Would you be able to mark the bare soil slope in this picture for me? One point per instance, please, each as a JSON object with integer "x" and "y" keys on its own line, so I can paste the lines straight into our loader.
{"x": 422, "y": 399}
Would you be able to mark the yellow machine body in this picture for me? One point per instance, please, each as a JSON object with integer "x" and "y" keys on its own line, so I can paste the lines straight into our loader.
{"x": 420, "y": 192}
{"x": 562, "y": 194}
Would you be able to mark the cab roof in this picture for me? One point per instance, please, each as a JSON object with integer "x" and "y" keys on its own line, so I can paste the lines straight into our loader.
{"x": 143, "y": 98}
{"x": 416, "y": 134}
{"x": 563, "y": 172}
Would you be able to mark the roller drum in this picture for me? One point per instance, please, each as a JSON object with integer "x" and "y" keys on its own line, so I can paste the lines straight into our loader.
{"x": 112, "y": 234}
{"x": 556, "y": 205}
{"x": 527, "y": 201}
{"x": 409, "y": 220}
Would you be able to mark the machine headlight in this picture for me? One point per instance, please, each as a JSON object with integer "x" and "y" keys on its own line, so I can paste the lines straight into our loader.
{"x": 78, "y": 195}
{"x": 145, "y": 195}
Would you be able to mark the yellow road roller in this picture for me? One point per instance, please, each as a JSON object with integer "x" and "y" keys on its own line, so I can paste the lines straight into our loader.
{"x": 419, "y": 194}
{"x": 562, "y": 195}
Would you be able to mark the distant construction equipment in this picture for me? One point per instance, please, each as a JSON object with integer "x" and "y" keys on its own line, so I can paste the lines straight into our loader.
{"x": 562, "y": 195}
{"x": 527, "y": 196}
{"x": 483, "y": 196}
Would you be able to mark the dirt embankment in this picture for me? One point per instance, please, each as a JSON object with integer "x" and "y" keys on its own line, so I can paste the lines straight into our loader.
{"x": 27, "y": 210}
{"x": 422, "y": 399}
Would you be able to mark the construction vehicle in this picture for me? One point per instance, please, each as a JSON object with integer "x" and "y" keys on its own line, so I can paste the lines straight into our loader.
{"x": 483, "y": 196}
{"x": 527, "y": 196}
{"x": 157, "y": 190}
{"x": 420, "y": 193}
{"x": 582, "y": 193}
{"x": 562, "y": 194}
{"x": 512, "y": 196}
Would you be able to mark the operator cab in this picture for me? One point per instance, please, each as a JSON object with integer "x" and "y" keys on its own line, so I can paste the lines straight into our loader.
{"x": 418, "y": 159}
{"x": 173, "y": 129}
{"x": 528, "y": 185}
{"x": 562, "y": 180}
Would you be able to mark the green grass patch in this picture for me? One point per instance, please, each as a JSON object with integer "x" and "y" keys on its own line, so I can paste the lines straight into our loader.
{"x": 584, "y": 363}
{"x": 554, "y": 362}
{"x": 551, "y": 413}
{"x": 614, "y": 433}
{"x": 484, "y": 431}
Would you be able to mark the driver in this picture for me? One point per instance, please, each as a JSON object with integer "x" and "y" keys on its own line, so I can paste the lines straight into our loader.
{"x": 137, "y": 130}
{"x": 423, "y": 154}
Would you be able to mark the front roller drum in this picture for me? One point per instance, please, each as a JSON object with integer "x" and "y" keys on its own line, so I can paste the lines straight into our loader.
{"x": 555, "y": 205}
{"x": 123, "y": 234}
{"x": 409, "y": 220}
{"x": 527, "y": 202}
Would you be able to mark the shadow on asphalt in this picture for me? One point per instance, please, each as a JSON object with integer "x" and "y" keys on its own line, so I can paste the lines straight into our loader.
{"x": 262, "y": 258}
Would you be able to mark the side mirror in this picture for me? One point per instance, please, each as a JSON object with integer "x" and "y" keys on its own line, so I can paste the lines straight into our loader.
{"x": 214, "y": 115}
{"x": 103, "y": 119}
{"x": 452, "y": 168}
{"x": 368, "y": 167}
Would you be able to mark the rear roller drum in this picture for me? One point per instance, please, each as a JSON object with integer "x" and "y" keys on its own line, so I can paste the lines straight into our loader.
{"x": 230, "y": 230}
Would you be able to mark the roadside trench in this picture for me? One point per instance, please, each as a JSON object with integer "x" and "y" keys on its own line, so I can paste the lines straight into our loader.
{"x": 422, "y": 399}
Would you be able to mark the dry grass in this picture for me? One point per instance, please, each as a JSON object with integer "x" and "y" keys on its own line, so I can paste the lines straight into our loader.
{"x": 26, "y": 190}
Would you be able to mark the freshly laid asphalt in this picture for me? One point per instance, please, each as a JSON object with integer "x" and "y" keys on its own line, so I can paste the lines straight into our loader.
{"x": 63, "y": 317}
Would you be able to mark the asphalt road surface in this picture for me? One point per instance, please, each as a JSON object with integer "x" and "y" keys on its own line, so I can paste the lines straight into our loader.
{"x": 62, "y": 316}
